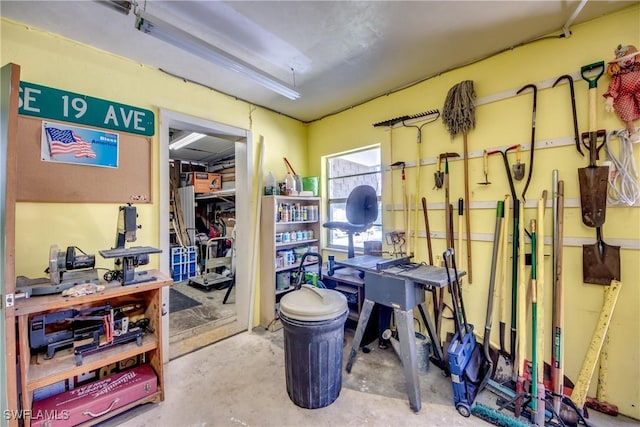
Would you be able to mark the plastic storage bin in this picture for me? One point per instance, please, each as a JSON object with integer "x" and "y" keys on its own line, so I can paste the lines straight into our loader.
{"x": 184, "y": 262}
{"x": 313, "y": 321}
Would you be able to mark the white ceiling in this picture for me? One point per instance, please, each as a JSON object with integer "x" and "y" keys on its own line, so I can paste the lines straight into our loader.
{"x": 342, "y": 53}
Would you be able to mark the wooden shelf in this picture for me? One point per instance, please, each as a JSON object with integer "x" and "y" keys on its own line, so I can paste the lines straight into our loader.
{"x": 296, "y": 242}
{"x": 112, "y": 290}
{"x": 346, "y": 289}
{"x": 43, "y": 372}
{"x": 348, "y": 282}
{"x": 269, "y": 227}
{"x": 294, "y": 266}
{"x": 37, "y": 372}
{"x": 294, "y": 222}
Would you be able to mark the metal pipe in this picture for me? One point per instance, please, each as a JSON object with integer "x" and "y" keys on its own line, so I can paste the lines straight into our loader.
{"x": 574, "y": 15}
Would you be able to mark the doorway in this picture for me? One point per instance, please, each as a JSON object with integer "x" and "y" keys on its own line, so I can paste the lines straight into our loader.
{"x": 210, "y": 319}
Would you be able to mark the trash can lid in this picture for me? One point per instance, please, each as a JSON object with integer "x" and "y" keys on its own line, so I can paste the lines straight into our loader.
{"x": 313, "y": 304}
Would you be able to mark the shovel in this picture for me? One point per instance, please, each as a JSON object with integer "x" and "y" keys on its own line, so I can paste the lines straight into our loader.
{"x": 593, "y": 178}
{"x": 438, "y": 176}
{"x": 518, "y": 168}
{"x": 600, "y": 262}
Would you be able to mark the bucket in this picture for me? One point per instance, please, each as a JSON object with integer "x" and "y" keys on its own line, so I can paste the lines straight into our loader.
{"x": 313, "y": 322}
{"x": 310, "y": 183}
{"x": 423, "y": 349}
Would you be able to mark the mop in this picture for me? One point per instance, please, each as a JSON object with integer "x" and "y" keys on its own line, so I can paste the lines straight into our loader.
{"x": 458, "y": 115}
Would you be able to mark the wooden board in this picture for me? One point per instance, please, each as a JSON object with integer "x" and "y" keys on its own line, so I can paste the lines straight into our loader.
{"x": 42, "y": 181}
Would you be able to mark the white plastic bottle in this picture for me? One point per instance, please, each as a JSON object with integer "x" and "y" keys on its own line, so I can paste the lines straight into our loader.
{"x": 270, "y": 184}
{"x": 290, "y": 184}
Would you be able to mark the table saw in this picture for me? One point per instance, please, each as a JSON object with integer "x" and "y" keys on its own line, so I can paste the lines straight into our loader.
{"x": 400, "y": 284}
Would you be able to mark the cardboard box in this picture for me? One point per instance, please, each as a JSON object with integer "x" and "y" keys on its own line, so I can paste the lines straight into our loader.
{"x": 94, "y": 399}
{"x": 205, "y": 182}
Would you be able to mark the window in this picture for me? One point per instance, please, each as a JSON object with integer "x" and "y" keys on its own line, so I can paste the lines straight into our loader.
{"x": 344, "y": 172}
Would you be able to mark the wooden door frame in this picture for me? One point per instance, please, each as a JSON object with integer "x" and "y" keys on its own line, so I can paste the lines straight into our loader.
{"x": 10, "y": 77}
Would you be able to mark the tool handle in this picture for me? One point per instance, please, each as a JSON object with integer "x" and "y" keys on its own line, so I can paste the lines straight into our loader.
{"x": 427, "y": 230}
{"x": 513, "y": 147}
{"x": 485, "y": 162}
{"x": 593, "y": 80}
{"x": 592, "y": 113}
{"x": 460, "y": 206}
{"x": 289, "y": 165}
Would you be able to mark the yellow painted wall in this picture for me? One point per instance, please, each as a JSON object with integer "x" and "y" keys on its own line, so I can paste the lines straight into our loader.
{"x": 54, "y": 61}
{"x": 500, "y": 124}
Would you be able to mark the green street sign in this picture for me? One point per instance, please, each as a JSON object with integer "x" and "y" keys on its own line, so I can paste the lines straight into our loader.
{"x": 41, "y": 101}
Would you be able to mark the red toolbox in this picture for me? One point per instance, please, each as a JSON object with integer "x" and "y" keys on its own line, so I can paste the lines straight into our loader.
{"x": 95, "y": 399}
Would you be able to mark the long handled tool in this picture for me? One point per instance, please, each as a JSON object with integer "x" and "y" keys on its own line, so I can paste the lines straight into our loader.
{"x": 600, "y": 261}
{"x": 576, "y": 134}
{"x": 514, "y": 259}
{"x": 458, "y": 115}
{"x": 433, "y": 115}
{"x": 540, "y": 316}
{"x": 447, "y": 207}
{"x": 593, "y": 179}
{"x": 405, "y": 202}
{"x": 537, "y": 413}
{"x": 460, "y": 212}
{"x": 497, "y": 242}
{"x": 448, "y": 234}
{"x": 557, "y": 342}
{"x": 504, "y": 369}
{"x": 579, "y": 395}
{"x": 521, "y": 311}
{"x": 533, "y": 135}
{"x": 427, "y": 230}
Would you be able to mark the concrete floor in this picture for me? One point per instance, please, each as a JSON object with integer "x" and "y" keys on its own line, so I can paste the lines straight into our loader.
{"x": 240, "y": 381}
{"x": 199, "y": 326}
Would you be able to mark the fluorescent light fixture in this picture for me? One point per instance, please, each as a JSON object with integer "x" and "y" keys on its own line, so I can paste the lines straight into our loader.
{"x": 186, "y": 140}
{"x": 119, "y": 6}
{"x": 173, "y": 35}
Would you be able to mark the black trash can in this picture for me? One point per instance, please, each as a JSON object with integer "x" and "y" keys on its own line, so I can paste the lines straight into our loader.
{"x": 313, "y": 321}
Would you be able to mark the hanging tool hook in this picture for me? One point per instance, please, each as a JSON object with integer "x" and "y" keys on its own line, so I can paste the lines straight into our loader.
{"x": 534, "y": 88}
{"x": 507, "y": 168}
{"x": 576, "y": 133}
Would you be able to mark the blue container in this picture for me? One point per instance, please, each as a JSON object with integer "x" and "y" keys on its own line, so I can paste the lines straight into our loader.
{"x": 313, "y": 321}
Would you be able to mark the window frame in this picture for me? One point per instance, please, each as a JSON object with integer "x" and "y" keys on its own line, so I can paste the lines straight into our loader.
{"x": 329, "y": 202}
